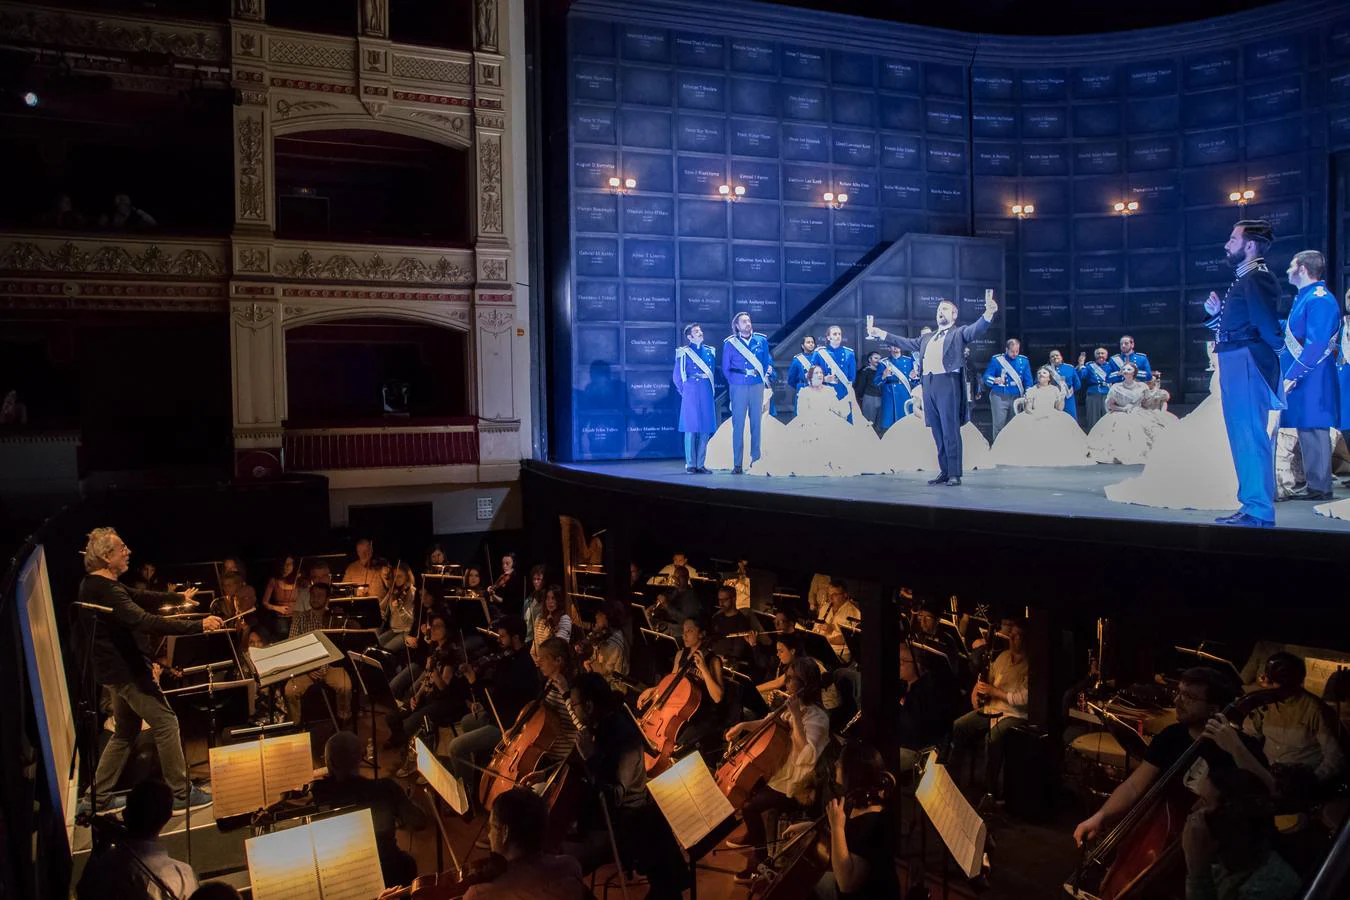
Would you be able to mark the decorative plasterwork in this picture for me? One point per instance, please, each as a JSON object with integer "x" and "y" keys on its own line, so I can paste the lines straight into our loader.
{"x": 311, "y": 54}
{"x": 445, "y": 313}
{"x": 495, "y": 319}
{"x": 252, "y": 10}
{"x": 367, "y": 265}
{"x": 252, "y": 200}
{"x": 492, "y": 268}
{"x": 374, "y": 18}
{"x": 71, "y": 31}
{"x": 485, "y": 24}
{"x": 252, "y": 315}
{"x": 426, "y": 68}
{"x": 286, "y": 108}
{"x": 490, "y": 184}
{"x": 122, "y": 296}
{"x": 121, "y": 256}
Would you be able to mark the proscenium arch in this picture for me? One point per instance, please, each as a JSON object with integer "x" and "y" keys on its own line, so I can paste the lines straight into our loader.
{"x": 361, "y": 121}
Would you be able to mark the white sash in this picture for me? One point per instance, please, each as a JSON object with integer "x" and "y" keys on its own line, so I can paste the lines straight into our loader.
{"x": 1059, "y": 379}
{"x": 1296, "y": 349}
{"x": 1098, "y": 370}
{"x": 740, "y": 344}
{"x": 898, "y": 372}
{"x": 806, "y": 363}
{"x": 1120, "y": 363}
{"x": 1012, "y": 373}
{"x": 838, "y": 373}
{"x": 697, "y": 359}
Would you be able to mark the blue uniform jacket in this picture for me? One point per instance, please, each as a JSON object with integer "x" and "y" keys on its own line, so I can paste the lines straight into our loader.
{"x": 1246, "y": 319}
{"x": 801, "y": 365}
{"x": 1070, "y": 385}
{"x": 1093, "y": 376}
{"x": 737, "y": 369}
{"x": 894, "y": 390}
{"x": 698, "y": 411}
{"x": 848, "y": 364}
{"x": 1309, "y": 360}
{"x": 1115, "y": 367}
{"x": 996, "y": 369}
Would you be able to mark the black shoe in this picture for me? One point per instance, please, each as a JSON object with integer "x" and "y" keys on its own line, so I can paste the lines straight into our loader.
{"x": 941, "y": 479}
{"x": 738, "y": 471}
{"x": 1313, "y": 495}
{"x": 691, "y": 470}
{"x": 953, "y": 482}
{"x": 1243, "y": 520}
{"x": 703, "y": 470}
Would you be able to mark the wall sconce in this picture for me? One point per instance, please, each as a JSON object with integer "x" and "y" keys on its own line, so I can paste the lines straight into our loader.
{"x": 835, "y": 200}
{"x": 731, "y": 193}
{"x": 622, "y": 185}
{"x": 1242, "y": 198}
{"x": 1126, "y": 208}
{"x": 1022, "y": 210}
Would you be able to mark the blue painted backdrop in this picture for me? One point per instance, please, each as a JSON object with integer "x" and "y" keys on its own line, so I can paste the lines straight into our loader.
{"x": 930, "y": 132}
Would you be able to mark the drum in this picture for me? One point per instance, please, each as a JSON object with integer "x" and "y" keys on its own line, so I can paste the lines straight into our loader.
{"x": 1095, "y": 764}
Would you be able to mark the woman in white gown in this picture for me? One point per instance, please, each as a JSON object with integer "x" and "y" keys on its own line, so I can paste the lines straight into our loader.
{"x": 820, "y": 440}
{"x": 1190, "y": 466}
{"x": 719, "y": 446}
{"x": 908, "y": 445}
{"x": 1042, "y": 434}
{"x": 1123, "y": 434}
{"x": 1154, "y": 406}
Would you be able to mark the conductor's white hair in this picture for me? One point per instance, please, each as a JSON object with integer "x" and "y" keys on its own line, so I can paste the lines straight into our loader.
{"x": 102, "y": 543}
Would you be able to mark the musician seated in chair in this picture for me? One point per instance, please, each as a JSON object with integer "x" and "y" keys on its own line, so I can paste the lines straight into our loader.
{"x": 1298, "y": 735}
{"x": 784, "y": 790}
{"x": 389, "y": 806}
{"x": 729, "y": 620}
{"x": 996, "y": 705}
{"x": 706, "y": 726}
{"x": 432, "y": 699}
{"x": 1228, "y": 839}
{"x": 516, "y": 834}
{"x": 924, "y": 713}
{"x": 862, "y": 837}
{"x": 303, "y": 621}
{"x": 1200, "y": 699}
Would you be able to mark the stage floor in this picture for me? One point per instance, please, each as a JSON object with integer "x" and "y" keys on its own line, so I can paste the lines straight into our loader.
{"x": 1071, "y": 493}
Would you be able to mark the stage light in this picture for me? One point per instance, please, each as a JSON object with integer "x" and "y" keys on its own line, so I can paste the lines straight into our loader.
{"x": 31, "y": 100}
{"x": 1022, "y": 210}
{"x": 729, "y": 193}
{"x": 1243, "y": 197}
{"x": 629, "y": 183}
{"x": 622, "y": 185}
{"x": 1126, "y": 208}
{"x": 834, "y": 200}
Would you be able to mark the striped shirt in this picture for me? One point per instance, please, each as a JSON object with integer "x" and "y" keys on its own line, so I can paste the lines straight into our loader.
{"x": 556, "y": 701}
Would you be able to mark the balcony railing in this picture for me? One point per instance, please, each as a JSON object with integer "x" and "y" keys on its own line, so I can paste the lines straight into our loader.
{"x": 329, "y": 449}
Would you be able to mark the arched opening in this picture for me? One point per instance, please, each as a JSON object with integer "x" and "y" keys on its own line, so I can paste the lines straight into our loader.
{"x": 371, "y": 187}
{"x": 375, "y": 371}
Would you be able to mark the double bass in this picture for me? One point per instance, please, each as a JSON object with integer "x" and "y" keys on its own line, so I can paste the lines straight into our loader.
{"x": 1124, "y": 861}
{"x": 755, "y": 757}
{"x": 675, "y": 701}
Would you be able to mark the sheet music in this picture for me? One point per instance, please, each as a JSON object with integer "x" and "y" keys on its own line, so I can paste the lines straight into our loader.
{"x": 1319, "y": 673}
{"x": 236, "y": 779}
{"x": 281, "y": 865}
{"x": 690, "y": 800}
{"x": 347, "y": 859}
{"x": 441, "y": 780}
{"x": 286, "y": 765}
{"x": 288, "y": 654}
{"x": 961, "y": 828}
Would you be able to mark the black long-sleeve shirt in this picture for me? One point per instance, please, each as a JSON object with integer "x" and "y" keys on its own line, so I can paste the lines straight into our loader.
{"x": 121, "y": 651}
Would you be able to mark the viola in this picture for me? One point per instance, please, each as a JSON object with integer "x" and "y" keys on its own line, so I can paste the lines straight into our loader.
{"x": 1149, "y": 835}
{"x": 449, "y": 885}
{"x": 755, "y": 757}
{"x": 675, "y": 701}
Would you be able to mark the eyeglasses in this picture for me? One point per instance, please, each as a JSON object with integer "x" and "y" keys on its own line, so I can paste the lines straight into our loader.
{"x": 1189, "y": 698}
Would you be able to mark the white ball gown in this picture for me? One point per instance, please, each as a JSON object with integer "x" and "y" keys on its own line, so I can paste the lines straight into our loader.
{"x": 907, "y": 446}
{"x": 820, "y": 440}
{"x": 1041, "y": 435}
{"x": 1190, "y": 465}
{"x": 1125, "y": 434}
{"x": 719, "y": 446}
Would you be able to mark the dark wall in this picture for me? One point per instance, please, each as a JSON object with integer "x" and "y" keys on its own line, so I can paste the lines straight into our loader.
{"x": 927, "y": 131}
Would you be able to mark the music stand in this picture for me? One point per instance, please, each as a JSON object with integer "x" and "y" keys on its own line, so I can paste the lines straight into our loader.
{"x": 1216, "y": 662}
{"x": 932, "y": 654}
{"x": 1129, "y": 739}
{"x": 818, "y": 646}
{"x": 371, "y": 678}
{"x": 365, "y": 611}
{"x": 472, "y": 612}
{"x": 587, "y": 606}
{"x": 853, "y": 640}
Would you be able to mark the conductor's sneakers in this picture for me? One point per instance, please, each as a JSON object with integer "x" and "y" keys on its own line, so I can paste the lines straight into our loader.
{"x": 196, "y": 799}
{"x": 953, "y": 482}
{"x": 941, "y": 479}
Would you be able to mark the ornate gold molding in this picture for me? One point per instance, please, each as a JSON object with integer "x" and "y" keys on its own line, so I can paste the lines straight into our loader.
{"x": 121, "y": 255}
{"x": 71, "y": 30}
{"x": 372, "y": 266}
{"x": 252, "y": 183}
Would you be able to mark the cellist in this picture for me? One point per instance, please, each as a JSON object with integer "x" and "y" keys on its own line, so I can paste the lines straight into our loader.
{"x": 784, "y": 790}
{"x": 1200, "y": 699}
{"x": 706, "y": 676}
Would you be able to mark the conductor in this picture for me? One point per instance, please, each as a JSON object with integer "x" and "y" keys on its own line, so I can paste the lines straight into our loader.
{"x": 941, "y": 355}
{"x": 120, "y": 655}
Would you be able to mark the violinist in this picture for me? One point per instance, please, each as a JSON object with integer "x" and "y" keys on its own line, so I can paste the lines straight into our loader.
{"x": 303, "y": 621}
{"x": 509, "y": 588}
{"x": 429, "y": 698}
{"x": 706, "y": 677}
{"x": 473, "y": 584}
{"x": 238, "y": 601}
{"x": 1200, "y": 699}
{"x": 862, "y": 843}
{"x": 509, "y": 684}
{"x": 607, "y": 646}
{"x": 786, "y": 788}
{"x": 398, "y": 608}
{"x": 674, "y": 604}
{"x": 553, "y": 619}
{"x": 281, "y": 593}
{"x": 534, "y": 603}
{"x": 365, "y": 570}
{"x": 516, "y": 832}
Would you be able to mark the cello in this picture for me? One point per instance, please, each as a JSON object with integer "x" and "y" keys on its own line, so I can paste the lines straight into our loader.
{"x": 518, "y": 752}
{"x": 676, "y": 701}
{"x": 755, "y": 757}
{"x": 1124, "y": 861}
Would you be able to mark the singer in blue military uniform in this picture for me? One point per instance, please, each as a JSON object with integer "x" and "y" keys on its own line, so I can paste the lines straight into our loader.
{"x": 1092, "y": 376}
{"x": 1007, "y": 377}
{"x": 1246, "y": 342}
{"x": 748, "y": 368}
{"x": 895, "y": 375}
{"x": 1308, "y": 367}
{"x": 1115, "y": 370}
{"x": 693, "y": 377}
{"x": 840, "y": 365}
{"x": 800, "y": 368}
{"x": 941, "y": 357}
{"x": 1066, "y": 376}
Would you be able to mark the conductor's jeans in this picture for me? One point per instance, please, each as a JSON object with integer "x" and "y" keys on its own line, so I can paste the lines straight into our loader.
{"x": 972, "y": 728}
{"x": 132, "y": 703}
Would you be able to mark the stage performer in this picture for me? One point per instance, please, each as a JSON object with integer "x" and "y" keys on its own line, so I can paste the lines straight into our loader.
{"x": 895, "y": 375}
{"x": 1092, "y": 375}
{"x": 121, "y": 657}
{"x": 1308, "y": 367}
{"x": 1343, "y": 368}
{"x": 1041, "y": 434}
{"x": 1115, "y": 374}
{"x": 693, "y": 378}
{"x": 748, "y": 368}
{"x": 1247, "y": 337}
{"x": 801, "y": 365}
{"x": 840, "y": 365}
{"x": 942, "y": 354}
{"x": 1008, "y": 376}
{"x": 1066, "y": 376}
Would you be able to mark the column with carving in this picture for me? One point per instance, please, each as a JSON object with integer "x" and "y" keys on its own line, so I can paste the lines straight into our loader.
{"x": 256, "y": 358}
{"x": 253, "y": 208}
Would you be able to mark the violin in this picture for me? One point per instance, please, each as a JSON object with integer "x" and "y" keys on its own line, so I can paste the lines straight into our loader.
{"x": 449, "y": 885}
{"x": 1149, "y": 835}
{"x": 675, "y": 700}
{"x": 755, "y": 757}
